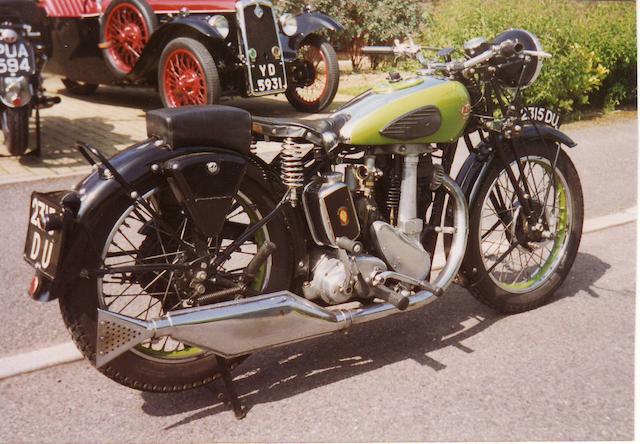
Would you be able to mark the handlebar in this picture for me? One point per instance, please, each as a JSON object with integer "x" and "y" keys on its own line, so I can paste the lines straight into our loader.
{"x": 507, "y": 49}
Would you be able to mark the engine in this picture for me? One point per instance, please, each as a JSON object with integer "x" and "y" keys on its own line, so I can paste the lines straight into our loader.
{"x": 391, "y": 260}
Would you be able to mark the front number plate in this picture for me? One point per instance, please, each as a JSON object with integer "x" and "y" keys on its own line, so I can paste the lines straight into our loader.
{"x": 541, "y": 115}
{"x": 268, "y": 77}
{"x": 42, "y": 248}
{"x": 16, "y": 59}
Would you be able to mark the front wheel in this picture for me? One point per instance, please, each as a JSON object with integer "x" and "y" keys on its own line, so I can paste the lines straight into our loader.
{"x": 187, "y": 74}
{"x": 514, "y": 263}
{"x": 319, "y": 77}
{"x": 124, "y": 237}
{"x": 15, "y": 127}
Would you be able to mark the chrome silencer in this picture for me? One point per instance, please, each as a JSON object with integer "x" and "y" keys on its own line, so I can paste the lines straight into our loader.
{"x": 248, "y": 325}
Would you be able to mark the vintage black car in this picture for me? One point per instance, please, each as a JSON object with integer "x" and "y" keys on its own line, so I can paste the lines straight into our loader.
{"x": 195, "y": 51}
{"x": 24, "y": 48}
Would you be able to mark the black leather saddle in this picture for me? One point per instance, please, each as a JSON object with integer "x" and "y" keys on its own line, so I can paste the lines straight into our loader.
{"x": 232, "y": 128}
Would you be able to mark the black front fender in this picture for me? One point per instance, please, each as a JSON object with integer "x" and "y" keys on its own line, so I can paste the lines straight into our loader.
{"x": 308, "y": 24}
{"x": 193, "y": 27}
{"x": 545, "y": 132}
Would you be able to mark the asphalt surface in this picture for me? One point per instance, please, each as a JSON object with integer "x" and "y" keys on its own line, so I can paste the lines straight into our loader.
{"x": 452, "y": 371}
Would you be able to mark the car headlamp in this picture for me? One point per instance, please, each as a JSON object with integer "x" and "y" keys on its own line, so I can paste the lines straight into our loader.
{"x": 289, "y": 24}
{"x": 220, "y": 24}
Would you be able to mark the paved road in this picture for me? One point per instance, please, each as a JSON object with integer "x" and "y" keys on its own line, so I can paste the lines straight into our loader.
{"x": 454, "y": 371}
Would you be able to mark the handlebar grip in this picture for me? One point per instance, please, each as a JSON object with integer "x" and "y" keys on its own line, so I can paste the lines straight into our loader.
{"x": 381, "y": 50}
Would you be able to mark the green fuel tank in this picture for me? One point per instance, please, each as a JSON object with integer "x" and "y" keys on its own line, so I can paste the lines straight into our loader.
{"x": 413, "y": 110}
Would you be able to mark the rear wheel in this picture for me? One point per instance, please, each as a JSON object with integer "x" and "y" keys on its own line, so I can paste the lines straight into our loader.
{"x": 15, "y": 127}
{"x": 187, "y": 74}
{"x": 125, "y": 30}
{"x": 126, "y": 235}
{"x": 513, "y": 265}
{"x": 79, "y": 88}
{"x": 321, "y": 78}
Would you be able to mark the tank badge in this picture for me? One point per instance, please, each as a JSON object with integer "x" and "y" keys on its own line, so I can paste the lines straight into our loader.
{"x": 276, "y": 52}
{"x": 253, "y": 54}
{"x": 466, "y": 110}
{"x": 343, "y": 216}
{"x": 258, "y": 11}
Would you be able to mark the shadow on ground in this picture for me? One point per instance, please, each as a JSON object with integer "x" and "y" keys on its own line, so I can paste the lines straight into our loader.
{"x": 281, "y": 373}
{"x": 60, "y": 135}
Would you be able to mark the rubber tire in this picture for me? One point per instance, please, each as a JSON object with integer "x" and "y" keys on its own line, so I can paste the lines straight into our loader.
{"x": 79, "y": 88}
{"x": 79, "y": 300}
{"x": 149, "y": 17}
{"x": 15, "y": 127}
{"x": 473, "y": 270}
{"x": 202, "y": 54}
{"x": 333, "y": 74}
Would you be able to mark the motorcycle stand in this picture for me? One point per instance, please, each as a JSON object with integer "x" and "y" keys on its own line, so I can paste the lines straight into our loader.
{"x": 231, "y": 396}
{"x": 41, "y": 103}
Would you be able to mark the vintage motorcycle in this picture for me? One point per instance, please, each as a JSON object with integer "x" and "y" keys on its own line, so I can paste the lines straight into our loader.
{"x": 24, "y": 48}
{"x": 181, "y": 255}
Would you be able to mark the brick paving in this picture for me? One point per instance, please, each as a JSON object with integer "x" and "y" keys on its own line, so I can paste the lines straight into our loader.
{"x": 110, "y": 119}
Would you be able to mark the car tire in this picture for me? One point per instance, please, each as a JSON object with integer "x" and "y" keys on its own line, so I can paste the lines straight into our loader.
{"x": 187, "y": 74}
{"x": 319, "y": 94}
{"x": 121, "y": 50}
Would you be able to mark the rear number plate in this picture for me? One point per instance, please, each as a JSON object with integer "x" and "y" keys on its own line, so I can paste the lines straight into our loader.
{"x": 42, "y": 248}
{"x": 16, "y": 59}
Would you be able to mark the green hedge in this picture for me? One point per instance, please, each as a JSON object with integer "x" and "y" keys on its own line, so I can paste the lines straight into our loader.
{"x": 593, "y": 44}
{"x": 366, "y": 22}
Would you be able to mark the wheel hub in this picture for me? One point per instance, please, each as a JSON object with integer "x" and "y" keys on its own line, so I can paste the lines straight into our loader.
{"x": 131, "y": 34}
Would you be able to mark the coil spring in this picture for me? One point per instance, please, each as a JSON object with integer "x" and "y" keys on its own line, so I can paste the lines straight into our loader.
{"x": 393, "y": 193}
{"x": 291, "y": 165}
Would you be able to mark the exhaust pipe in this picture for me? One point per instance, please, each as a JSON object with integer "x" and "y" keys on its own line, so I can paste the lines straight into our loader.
{"x": 236, "y": 328}
{"x": 239, "y": 327}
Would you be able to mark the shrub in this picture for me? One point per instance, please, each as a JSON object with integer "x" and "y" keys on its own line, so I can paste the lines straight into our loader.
{"x": 366, "y": 22}
{"x": 593, "y": 44}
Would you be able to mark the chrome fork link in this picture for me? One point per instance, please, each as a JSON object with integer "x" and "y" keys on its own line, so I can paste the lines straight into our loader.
{"x": 292, "y": 169}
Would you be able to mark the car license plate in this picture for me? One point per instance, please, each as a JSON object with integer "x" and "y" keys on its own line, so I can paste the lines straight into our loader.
{"x": 268, "y": 77}
{"x": 541, "y": 115}
{"x": 42, "y": 248}
{"x": 16, "y": 59}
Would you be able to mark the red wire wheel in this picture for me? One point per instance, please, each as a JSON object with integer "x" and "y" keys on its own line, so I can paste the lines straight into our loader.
{"x": 126, "y": 29}
{"x": 183, "y": 79}
{"x": 322, "y": 64}
{"x": 187, "y": 74}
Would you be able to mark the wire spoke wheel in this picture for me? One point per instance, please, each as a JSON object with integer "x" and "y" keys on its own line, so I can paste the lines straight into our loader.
{"x": 316, "y": 83}
{"x": 184, "y": 79}
{"x": 126, "y": 34}
{"x": 516, "y": 261}
{"x": 518, "y": 257}
{"x": 316, "y": 63}
{"x": 137, "y": 239}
